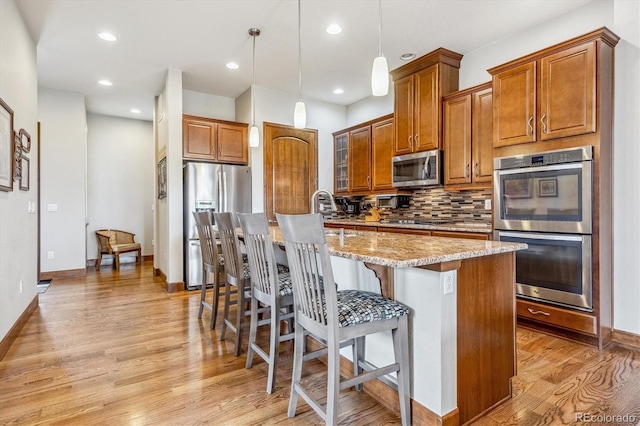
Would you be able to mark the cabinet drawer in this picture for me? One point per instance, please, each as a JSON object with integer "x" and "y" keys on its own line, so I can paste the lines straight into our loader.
{"x": 565, "y": 318}
{"x": 404, "y": 230}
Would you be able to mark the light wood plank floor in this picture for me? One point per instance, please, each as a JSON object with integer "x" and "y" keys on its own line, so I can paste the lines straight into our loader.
{"x": 115, "y": 348}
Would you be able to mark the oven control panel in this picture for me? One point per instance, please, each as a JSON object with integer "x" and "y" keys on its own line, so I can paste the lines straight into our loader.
{"x": 584, "y": 153}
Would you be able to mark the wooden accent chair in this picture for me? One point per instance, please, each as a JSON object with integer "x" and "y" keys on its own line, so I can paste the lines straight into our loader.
{"x": 270, "y": 288}
{"x": 115, "y": 242}
{"x": 337, "y": 316}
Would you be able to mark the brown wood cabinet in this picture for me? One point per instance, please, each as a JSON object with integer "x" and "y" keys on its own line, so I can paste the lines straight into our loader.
{"x": 467, "y": 136}
{"x": 213, "y": 140}
{"x": 362, "y": 157}
{"x": 550, "y": 97}
{"x": 557, "y": 98}
{"x": 456, "y": 234}
{"x": 419, "y": 87}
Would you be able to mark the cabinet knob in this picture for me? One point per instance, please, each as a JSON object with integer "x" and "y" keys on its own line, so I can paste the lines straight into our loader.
{"x": 476, "y": 170}
{"x": 466, "y": 171}
{"x": 529, "y": 124}
{"x": 544, "y": 125}
{"x": 411, "y": 142}
{"x": 417, "y": 139}
{"x": 546, "y": 314}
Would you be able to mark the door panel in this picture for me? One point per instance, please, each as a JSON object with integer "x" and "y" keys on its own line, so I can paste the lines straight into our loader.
{"x": 457, "y": 141}
{"x": 290, "y": 169}
{"x": 427, "y": 106}
{"x": 482, "y": 137}
{"x": 514, "y": 106}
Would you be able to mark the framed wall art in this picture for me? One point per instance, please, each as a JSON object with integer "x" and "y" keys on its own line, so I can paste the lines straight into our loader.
{"x": 548, "y": 187}
{"x": 6, "y": 147}
{"x": 518, "y": 188}
{"x": 162, "y": 178}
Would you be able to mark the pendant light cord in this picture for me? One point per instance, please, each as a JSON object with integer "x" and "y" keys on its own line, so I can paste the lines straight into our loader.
{"x": 379, "y": 27}
{"x": 299, "y": 55}
{"x": 253, "y": 85}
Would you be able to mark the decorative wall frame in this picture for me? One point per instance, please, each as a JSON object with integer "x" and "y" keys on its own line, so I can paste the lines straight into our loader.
{"x": 548, "y": 187}
{"x": 24, "y": 178}
{"x": 518, "y": 188}
{"x": 162, "y": 178}
{"x": 6, "y": 147}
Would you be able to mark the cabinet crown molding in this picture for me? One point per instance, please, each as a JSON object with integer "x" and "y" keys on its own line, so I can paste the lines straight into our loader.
{"x": 440, "y": 55}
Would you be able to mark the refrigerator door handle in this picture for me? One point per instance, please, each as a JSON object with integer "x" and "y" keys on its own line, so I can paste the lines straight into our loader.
{"x": 219, "y": 183}
{"x": 224, "y": 191}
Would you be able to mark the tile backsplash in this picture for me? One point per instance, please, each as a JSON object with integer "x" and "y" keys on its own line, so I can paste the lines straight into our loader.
{"x": 463, "y": 206}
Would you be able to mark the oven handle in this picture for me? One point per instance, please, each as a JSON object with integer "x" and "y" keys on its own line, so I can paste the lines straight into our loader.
{"x": 536, "y": 236}
{"x": 543, "y": 168}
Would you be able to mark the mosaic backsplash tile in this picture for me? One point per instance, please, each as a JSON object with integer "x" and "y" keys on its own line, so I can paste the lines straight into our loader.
{"x": 463, "y": 206}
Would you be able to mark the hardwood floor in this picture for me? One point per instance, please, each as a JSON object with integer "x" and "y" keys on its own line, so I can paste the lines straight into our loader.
{"x": 114, "y": 348}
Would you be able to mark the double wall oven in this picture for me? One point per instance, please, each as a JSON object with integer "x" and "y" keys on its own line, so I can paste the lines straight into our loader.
{"x": 545, "y": 201}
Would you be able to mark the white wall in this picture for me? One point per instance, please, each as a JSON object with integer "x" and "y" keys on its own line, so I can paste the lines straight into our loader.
{"x": 63, "y": 179}
{"x": 205, "y": 105}
{"x": 18, "y": 229}
{"x": 277, "y": 107}
{"x": 370, "y": 108}
{"x": 120, "y": 178}
{"x": 626, "y": 194}
{"x": 169, "y": 256}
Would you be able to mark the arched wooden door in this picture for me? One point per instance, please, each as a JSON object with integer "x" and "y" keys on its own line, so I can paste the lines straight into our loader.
{"x": 290, "y": 169}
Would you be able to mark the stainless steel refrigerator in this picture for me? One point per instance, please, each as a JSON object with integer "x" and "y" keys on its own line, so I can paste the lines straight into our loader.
{"x": 213, "y": 188}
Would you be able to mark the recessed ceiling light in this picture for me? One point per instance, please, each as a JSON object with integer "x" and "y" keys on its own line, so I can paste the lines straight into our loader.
{"x": 107, "y": 36}
{"x": 233, "y": 66}
{"x": 136, "y": 111}
{"x": 338, "y": 91}
{"x": 105, "y": 83}
{"x": 334, "y": 29}
{"x": 407, "y": 56}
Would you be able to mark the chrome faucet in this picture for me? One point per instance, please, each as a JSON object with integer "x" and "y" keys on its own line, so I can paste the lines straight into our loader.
{"x": 314, "y": 197}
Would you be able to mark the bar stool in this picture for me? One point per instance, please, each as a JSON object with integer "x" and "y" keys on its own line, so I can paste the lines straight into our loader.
{"x": 210, "y": 265}
{"x": 236, "y": 275}
{"x": 270, "y": 287}
{"x": 337, "y": 316}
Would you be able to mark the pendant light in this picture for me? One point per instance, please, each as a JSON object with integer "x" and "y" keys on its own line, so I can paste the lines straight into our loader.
{"x": 300, "y": 111}
{"x": 254, "y": 135}
{"x": 380, "y": 70}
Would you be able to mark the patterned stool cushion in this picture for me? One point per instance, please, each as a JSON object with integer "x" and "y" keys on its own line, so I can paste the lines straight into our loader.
{"x": 284, "y": 281}
{"x": 358, "y": 307}
{"x": 245, "y": 260}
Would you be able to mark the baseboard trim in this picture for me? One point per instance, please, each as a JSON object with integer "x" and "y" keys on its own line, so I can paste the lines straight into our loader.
{"x": 11, "y": 336}
{"x": 388, "y": 397}
{"x": 625, "y": 338}
{"x": 69, "y": 273}
{"x": 109, "y": 261}
{"x": 170, "y": 287}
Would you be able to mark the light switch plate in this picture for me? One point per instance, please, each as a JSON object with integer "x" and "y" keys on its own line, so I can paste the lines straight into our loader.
{"x": 52, "y": 207}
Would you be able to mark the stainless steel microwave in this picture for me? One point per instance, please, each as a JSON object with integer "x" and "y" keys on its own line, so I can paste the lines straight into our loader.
{"x": 418, "y": 169}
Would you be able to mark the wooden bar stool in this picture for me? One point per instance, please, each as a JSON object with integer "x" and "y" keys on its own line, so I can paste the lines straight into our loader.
{"x": 337, "y": 316}
{"x": 270, "y": 288}
{"x": 236, "y": 275}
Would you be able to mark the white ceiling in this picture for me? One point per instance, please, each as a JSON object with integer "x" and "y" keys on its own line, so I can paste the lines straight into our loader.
{"x": 200, "y": 36}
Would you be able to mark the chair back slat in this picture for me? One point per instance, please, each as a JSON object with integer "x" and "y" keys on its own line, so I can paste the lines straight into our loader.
{"x": 259, "y": 247}
{"x": 314, "y": 289}
{"x": 230, "y": 246}
{"x": 208, "y": 244}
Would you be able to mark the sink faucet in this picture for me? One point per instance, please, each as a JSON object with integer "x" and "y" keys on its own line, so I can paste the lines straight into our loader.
{"x": 314, "y": 197}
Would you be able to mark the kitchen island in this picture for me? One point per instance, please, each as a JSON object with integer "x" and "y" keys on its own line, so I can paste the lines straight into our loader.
{"x": 462, "y": 321}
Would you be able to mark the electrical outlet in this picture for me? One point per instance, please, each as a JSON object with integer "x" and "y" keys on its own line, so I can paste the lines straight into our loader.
{"x": 20, "y": 286}
{"x": 487, "y": 204}
{"x": 448, "y": 283}
{"x": 49, "y": 255}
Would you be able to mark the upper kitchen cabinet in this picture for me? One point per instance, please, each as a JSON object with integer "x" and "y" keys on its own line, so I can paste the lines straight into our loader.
{"x": 419, "y": 88}
{"x": 467, "y": 134}
{"x": 362, "y": 157}
{"x": 549, "y": 94}
{"x": 219, "y": 141}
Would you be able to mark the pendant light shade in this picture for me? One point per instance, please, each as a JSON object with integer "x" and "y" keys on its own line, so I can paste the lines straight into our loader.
{"x": 380, "y": 69}
{"x": 300, "y": 115}
{"x": 300, "y": 111}
{"x": 380, "y": 77}
{"x": 254, "y": 135}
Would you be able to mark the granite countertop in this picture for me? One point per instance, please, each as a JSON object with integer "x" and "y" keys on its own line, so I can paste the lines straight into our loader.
{"x": 403, "y": 251}
{"x": 481, "y": 228}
